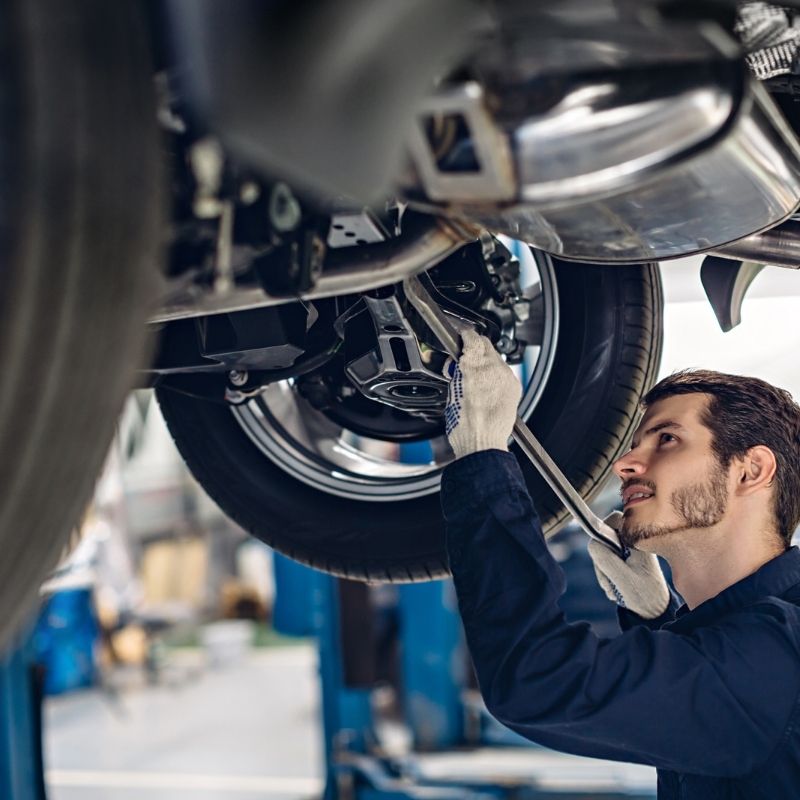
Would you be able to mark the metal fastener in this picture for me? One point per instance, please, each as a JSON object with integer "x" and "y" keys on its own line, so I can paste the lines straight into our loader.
{"x": 238, "y": 377}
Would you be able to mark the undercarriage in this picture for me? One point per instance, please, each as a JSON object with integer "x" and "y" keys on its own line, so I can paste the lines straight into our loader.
{"x": 223, "y": 201}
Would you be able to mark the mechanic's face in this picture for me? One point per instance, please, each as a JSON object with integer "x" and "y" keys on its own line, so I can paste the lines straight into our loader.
{"x": 671, "y": 479}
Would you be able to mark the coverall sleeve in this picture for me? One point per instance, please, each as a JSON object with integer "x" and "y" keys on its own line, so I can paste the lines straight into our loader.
{"x": 709, "y": 702}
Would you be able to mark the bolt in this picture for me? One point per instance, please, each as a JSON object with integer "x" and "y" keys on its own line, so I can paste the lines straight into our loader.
{"x": 207, "y": 161}
{"x": 284, "y": 210}
{"x": 505, "y": 345}
{"x": 318, "y": 252}
{"x": 238, "y": 377}
{"x": 249, "y": 192}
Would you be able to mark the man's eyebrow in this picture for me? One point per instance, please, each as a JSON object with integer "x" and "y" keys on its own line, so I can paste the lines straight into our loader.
{"x": 660, "y": 427}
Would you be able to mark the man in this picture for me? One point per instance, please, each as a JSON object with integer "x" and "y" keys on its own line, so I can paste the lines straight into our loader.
{"x": 709, "y": 693}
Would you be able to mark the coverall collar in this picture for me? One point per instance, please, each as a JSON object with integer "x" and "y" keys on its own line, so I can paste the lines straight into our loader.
{"x": 771, "y": 580}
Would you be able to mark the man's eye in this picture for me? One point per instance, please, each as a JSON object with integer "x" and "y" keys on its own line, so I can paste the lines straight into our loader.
{"x": 666, "y": 437}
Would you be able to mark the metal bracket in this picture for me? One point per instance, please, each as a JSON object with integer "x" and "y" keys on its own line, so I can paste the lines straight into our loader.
{"x": 395, "y": 372}
{"x": 494, "y": 178}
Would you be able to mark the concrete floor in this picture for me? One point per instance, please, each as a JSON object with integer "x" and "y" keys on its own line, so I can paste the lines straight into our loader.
{"x": 250, "y": 730}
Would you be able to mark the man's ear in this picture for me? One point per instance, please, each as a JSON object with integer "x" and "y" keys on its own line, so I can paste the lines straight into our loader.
{"x": 755, "y": 470}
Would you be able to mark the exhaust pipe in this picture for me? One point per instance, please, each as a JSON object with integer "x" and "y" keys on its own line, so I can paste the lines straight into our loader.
{"x": 777, "y": 247}
{"x": 425, "y": 242}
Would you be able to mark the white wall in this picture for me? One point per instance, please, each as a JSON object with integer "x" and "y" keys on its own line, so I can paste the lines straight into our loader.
{"x": 765, "y": 345}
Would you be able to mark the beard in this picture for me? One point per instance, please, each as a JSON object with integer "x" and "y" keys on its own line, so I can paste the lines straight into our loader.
{"x": 697, "y": 506}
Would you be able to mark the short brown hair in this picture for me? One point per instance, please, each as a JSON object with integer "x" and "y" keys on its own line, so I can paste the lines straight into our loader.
{"x": 744, "y": 412}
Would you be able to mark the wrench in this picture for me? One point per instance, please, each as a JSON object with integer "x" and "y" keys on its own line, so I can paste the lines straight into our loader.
{"x": 447, "y": 334}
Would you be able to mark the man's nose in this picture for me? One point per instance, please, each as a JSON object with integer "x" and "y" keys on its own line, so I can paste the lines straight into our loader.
{"x": 629, "y": 465}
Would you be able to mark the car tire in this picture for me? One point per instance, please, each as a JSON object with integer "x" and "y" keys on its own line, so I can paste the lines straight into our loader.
{"x": 608, "y": 352}
{"x": 80, "y": 220}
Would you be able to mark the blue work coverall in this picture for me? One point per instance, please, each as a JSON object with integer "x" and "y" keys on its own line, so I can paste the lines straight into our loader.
{"x": 708, "y": 696}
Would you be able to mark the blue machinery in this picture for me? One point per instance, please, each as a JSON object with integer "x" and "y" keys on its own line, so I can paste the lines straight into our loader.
{"x": 434, "y": 677}
{"x": 433, "y": 674}
{"x": 21, "y": 764}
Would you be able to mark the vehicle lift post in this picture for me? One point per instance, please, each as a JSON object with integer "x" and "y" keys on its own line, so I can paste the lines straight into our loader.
{"x": 434, "y": 677}
{"x": 21, "y": 760}
{"x": 353, "y": 771}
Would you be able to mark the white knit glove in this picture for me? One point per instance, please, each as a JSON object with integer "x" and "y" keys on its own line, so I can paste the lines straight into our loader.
{"x": 636, "y": 584}
{"x": 483, "y": 399}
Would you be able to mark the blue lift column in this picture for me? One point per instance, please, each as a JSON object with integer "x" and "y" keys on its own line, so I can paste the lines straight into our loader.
{"x": 308, "y": 603}
{"x": 21, "y": 762}
{"x": 346, "y": 710}
{"x": 434, "y": 661}
{"x": 434, "y": 664}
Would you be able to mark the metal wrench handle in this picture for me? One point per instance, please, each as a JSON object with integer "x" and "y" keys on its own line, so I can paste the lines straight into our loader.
{"x": 564, "y": 490}
{"x": 446, "y": 333}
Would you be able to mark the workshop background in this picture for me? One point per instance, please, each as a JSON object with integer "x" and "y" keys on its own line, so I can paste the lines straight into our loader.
{"x": 181, "y": 658}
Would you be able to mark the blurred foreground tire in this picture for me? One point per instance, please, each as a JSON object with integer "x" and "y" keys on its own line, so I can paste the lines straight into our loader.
{"x": 80, "y": 213}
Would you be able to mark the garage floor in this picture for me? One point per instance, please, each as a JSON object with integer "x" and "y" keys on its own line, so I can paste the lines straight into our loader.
{"x": 250, "y": 730}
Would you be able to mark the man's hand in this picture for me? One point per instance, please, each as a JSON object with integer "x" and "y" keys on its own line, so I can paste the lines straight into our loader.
{"x": 636, "y": 584}
{"x": 483, "y": 400}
